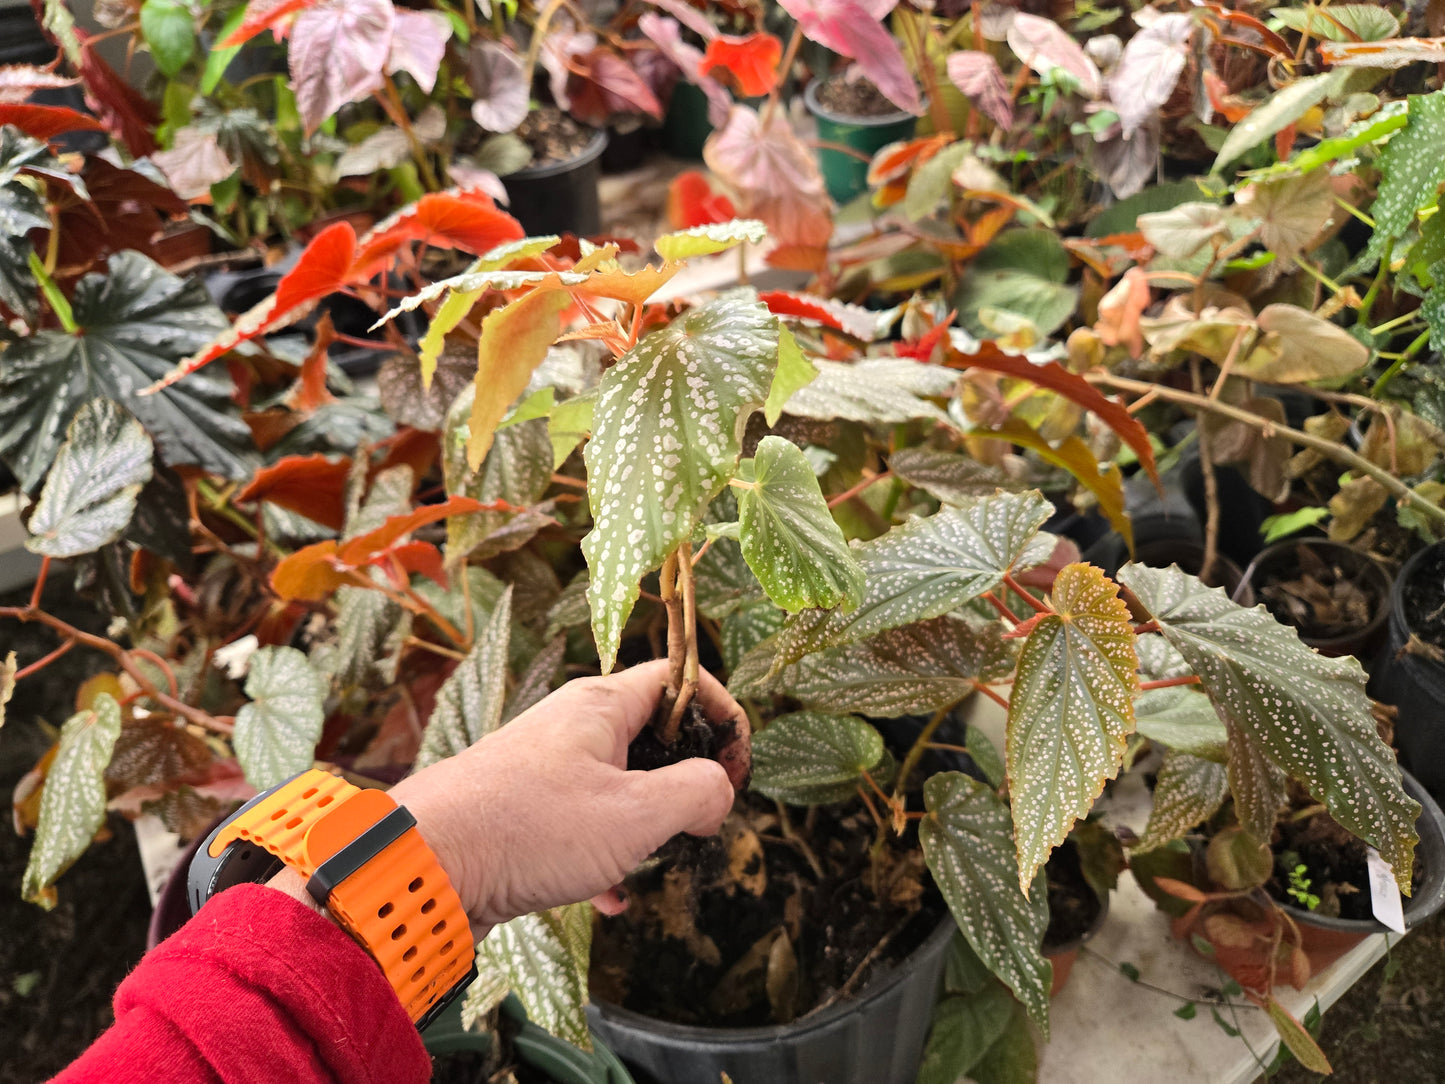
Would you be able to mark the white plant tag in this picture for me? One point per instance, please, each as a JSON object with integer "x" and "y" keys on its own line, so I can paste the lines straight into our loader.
{"x": 1384, "y": 892}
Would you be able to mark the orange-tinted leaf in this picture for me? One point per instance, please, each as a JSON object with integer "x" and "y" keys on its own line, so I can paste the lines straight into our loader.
{"x": 265, "y": 15}
{"x": 47, "y": 121}
{"x": 922, "y": 349}
{"x": 782, "y": 303}
{"x": 513, "y": 342}
{"x": 312, "y": 485}
{"x": 422, "y": 558}
{"x": 1230, "y": 107}
{"x": 414, "y": 448}
{"x": 467, "y": 219}
{"x": 1120, "y": 310}
{"x": 1074, "y": 455}
{"x": 634, "y": 287}
{"x": 357, "y": 551}
{"x": 1056, "y": 378}
{"x": 310, "y": 391}
{"x": 692, "y": 201}
{"x": 752, "y": 61}
{"x": 309, "y": 574}
{"x": 898, "y": 159}
{"x": 1180, "y": 890}
{"x": 1294, "y": 1036}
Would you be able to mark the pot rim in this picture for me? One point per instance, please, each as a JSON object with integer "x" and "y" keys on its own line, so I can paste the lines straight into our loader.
{"x": 1426, "y": 901}
{"x": 1084, "y": 938}
{"x": 616, "y": 1015}
{"x": 1369, "y": 567}
{"x": 810, "y": 98}
{"x": 1397, "y": 602}
{"x": 588, "y": 154}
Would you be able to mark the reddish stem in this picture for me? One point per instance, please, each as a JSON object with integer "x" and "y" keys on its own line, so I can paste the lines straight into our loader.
{"x": 1169, "y": 683}
{"x": 853, "y": 491}
{"x": 1023, "y": 593}
{"x": 1000, "y": 701}
{"x": 998, "y": 604}
{"x": 1147, "y": 627}
{"x": 39, "y": 583}
{"x": 40, "y": 664}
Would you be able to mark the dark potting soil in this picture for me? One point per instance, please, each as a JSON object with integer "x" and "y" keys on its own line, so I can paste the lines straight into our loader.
{"x": 1320, "y": 597}
{"x": 696, "y": 737}
{"x": 1335, "y": 866}
{"x": 854, "y": 98}
{"x": 745, "y": 931}
{"x": 1424, "y": 599}
{"x": 1073, "y": 906}
{"x": 552, "y": 135}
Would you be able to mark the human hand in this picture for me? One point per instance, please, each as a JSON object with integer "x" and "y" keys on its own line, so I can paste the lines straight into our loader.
{"x": 543, "y": 812}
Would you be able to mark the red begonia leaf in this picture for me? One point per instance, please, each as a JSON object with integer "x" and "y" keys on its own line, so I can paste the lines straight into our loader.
{"x": 751, "y": 61}
{"x": 922, "y": 348}
{"x": 310, "y": 573}
{"x": 312, "y": 485}
{"x": 338, "y": 54}
{"x": 853, "y": 30}
{"x": 465, "y": 219}
{"x": 852, "y": 320}
{"x": 602, "y": 85}
{"x": 47, "y": 121}
{"x": 692, "y": 201}
{"x": 357, "y": 551}
{"x": 124, "y": 111}
{"x": 422, "y": 558}
{"x": 666, "y": 34}
{"x": 264, "y": 15}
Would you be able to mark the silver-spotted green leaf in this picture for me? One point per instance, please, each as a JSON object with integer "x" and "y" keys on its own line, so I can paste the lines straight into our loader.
{"x": 1183, "y": 719}
{"x": 537, "y": 680}
{"x": 794, "y": 371}
{"x": 1071, "y": 712}
{"x": 470, "y": 701}
{"x": 1412, "y": 170}
{"x": 365, "y": 621}
{"x": 808, "y": 758}
{"x": 788, "y": 536}
{"x": 570, "y": 608}
{"x": 745, "y": 628}
{"x": 517, "y": 469}
{"x": 542, "y": 958}
{"x": 1259, "y": 788}
{"x": 72, "y": 805}
{"x": 666, "y": 437}
{"x": 473, "y": 282}
{"x": 711, "y": 238}
{"x": 1306, "y": 713}
{"x": 1158, "y": 660}
{"x": 926, "y": 568}
{"x": 919, "y": 668}
{"x": 948, "y": 476}
{"x": 984, "y": 754}
{"x": 968, "y": 843}
{"x": 276, "y": 733}
{"x": 722, "y": 580}
{"x": 1188, "y": 791}
{"x": 90, "y": 493}
{"x": 875, "y": 391}
{"x": 1283, "y": 108}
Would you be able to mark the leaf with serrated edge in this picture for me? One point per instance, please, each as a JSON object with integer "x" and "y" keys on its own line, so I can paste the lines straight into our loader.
{"x": 1307, "y": 713}
{"x": 1071, "y": 712}
{"x": 276, "y": 733}
{"x": 470, "y": 701}
{"x": 72, "y": 805}
{"x": 542, "y": 958}
{"x": 666, "y": 436}
{"x": 967, "y": 842}
{"x": 1188, "y": 792}
{"x": 808, "y": 758}
{"x": 90, "y": 493}
{"x": 926, "y": 568}
{"x": 788, "y": 536}
{"x": 365, "y": 620}
{"x": 918, "y": 668}
{"x": 713, "y": 237}
{"x": 723, "y": 582}
{"x": 513, "y": 341}
{"x": 794, "y": 371}
{"x": 948, "y": 476}
{"x": 517, "y": 469}
{"x": 1183, "y": 719}
{"x": 746, "y": 627}
{"x": 875, "y": 391}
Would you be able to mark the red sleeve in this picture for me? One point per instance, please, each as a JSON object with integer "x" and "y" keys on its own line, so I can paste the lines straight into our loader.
{"x": 256, "y": 988}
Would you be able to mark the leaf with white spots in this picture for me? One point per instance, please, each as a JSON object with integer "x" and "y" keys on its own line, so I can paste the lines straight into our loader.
{"x": 91, "y": 490}
{"x": 72, "y": 805}
{"x": 788, "y": 536}
{"x": 1181, "y": 718}
{"x": 967, "y": 842}
{"x": 1071, "y": 712}
{"x": 808, "y": 758}
{"x": 875, "y": 391}
{"x": 745, "y": 628}
{"x": 666, "y": 436}
{"x": 1259, "y": 788}
{"x": 918, "y": 668}
{"x": 794, "y": 371}
{"x": 537, "y": 680}
{"x": 469, "y": 703}
{"x": 517, "y": 469}
{"x": 1308, "y": 714}
{"x": 927, "y": 568}
{"x": 948, "y": 476}
{"x": 1158, "y": 660}
{"x": 1188, "y": 792}
{"x": 711, "y": 238}
{"x": 276, "y": 733}
{"x": 365, "y": 621}
{"x": 542, "y": 958}
{"x": 723, "y": 582}
{"x": 1412, "y": 169}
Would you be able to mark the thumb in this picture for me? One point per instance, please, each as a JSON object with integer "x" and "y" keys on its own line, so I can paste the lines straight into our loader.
{"x": 691, "y": 796}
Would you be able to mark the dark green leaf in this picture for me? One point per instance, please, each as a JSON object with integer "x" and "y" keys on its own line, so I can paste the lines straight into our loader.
{"x": 1412, "y": 171}
{"x": 952, "y": 478}
{"x": 984, "y": 755}
{"x": 21, "y": 210}
{"x": 1187, "y": 1011}
{"x": 963, "y": 1030}
{"x": 170, "y": 32}
{"x": 365, "y": 620}
{"x": 1256, "y": 784}
{"x": 72, "y": 805}
{"x": 1129, "y": 971}
{"x": 875, "y": 391}
{"x": 276, "y": 733}
{"x": 1183, "y": 719}
{"x": 1011, "y": 1060}
{"x": 1308, "y": 714}
{"x": 967, "y": 841}
{"x": 746, "y": 627}
{"x": 137, "y": 322}
{"x": 808, "y": 758}
{"x": 517, "y": 469}
{"x": 90, "y": 493}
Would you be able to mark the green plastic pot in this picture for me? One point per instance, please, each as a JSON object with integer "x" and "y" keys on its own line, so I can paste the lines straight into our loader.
{"x": 685, "y": 128}
{"x": 538, "y": 1049}
{"x": 845, "y": 176}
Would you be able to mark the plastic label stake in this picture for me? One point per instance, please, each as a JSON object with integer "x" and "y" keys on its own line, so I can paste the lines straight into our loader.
{"x": 1384, "y": 893}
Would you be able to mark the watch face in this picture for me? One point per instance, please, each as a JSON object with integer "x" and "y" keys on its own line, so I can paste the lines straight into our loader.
{"x": 240, "y": 863}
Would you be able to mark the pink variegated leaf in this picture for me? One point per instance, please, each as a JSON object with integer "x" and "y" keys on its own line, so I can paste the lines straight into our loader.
{"x": 981, "y": 80}
{"x": 774, "y": 175}
{"x": 499, "y": 89}
{"x": 1149, "y": 69}
{"x": 339, "y": 52}
{"x": 194, "y": 163}
{"x": 850, "y": 28}
{"x": 418, "y": 43}
{"x": 1044, "y": 45}
{"x": 560, "y": 45}
{"x": 688, "y": 16}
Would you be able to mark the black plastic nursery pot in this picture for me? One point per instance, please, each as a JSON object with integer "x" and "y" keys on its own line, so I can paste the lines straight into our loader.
{"x": 845, "y": 175}
{"x": 559, "y": 197}
{"x": 874, "y": 1038}
{"x": 1410, "y": 680}
{"x": 1283, "y": 559}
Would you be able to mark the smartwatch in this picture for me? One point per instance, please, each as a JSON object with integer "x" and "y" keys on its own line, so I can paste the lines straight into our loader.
{"x": 364, "y": 861}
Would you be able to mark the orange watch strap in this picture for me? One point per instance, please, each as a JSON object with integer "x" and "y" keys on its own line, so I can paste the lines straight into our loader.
{"x": 402, "y": 909}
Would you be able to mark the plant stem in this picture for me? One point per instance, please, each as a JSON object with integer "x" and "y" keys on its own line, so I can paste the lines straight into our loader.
{"x": 1206, "y": 461}
{"x": 40, "y": 583}
{"x": 784, "y": 67}
{"x": 1328, "y": 448}
{"x": 391, "y": 103}
{"x": 915, "y": 751}
{"x": 1399, "y": 363}
{"x": 999, "y": 605}
{"x": 1023, "y": 593}
{"x": 1000, "y": 701}
{"x": 1169, "y": 683}
{"x": 41, "y": 664}
{"x": 854, "y": 490}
